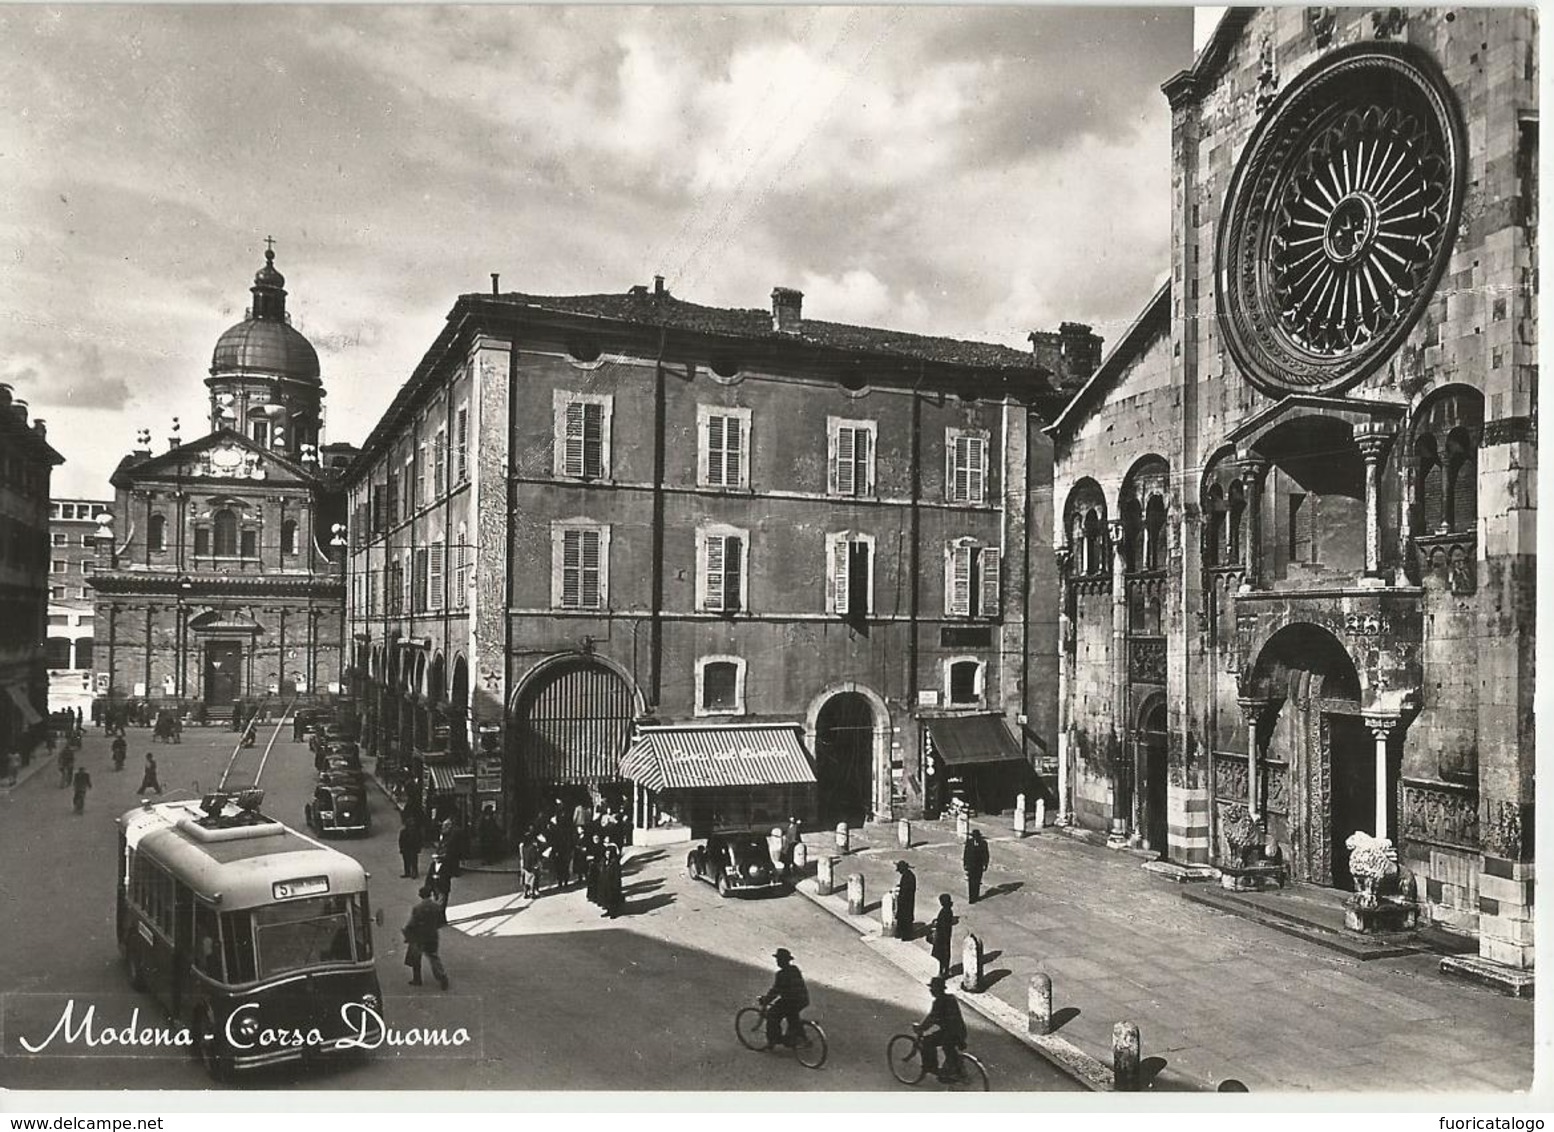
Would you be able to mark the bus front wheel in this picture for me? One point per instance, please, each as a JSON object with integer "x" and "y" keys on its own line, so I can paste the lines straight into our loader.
{"x": 209, "y": 1046}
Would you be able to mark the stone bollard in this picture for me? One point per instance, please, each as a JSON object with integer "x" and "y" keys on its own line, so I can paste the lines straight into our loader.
{"x": 800, "y": 857}
{"x": 1039, "y": 1019}
{"x": 971, "y": 964}
{"x": 904, "y": 834}
{"x": 962, "y": 827}
{"x": 825, "y": 875}
{"x": 855, "y": 895}
{"x": 888, "y": 914}
{"x": 1125, "y": 1058}
{"x": 1041, "y": 814}
{"x": 841, "y": 836}
{"x": 1022, "y": 817}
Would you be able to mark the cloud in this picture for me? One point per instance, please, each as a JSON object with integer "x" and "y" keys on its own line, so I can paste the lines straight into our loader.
{"x": 72, "y": 374}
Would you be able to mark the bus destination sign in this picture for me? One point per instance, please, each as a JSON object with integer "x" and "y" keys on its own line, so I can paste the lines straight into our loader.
{"x": 302, "y": 886}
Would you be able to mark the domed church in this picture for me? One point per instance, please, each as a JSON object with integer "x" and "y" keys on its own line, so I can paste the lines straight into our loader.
{"x": 219, "y": 579}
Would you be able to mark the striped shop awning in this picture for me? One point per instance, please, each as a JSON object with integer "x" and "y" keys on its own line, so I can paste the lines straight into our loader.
{"x": 713, "y": 755}
{"x": 440, "y": 778}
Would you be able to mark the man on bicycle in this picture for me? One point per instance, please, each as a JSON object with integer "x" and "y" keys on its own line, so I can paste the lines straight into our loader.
{"x": 942, "y": 1028}
{"x": 786, "y": 1001}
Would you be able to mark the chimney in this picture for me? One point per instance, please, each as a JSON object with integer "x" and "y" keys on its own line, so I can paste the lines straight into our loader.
{"x": 5, "y": 395}
{"x": 658, "y": 287}
{"x": 19, "y": 408}
{"x": 1080, "y": 350}
{"x": 40, "y": 427}
{"x": 787, "y": 310}
{"x": 496, "y": 280}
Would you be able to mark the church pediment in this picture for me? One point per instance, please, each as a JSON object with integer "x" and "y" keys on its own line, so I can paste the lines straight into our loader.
{"x": 225, "y": 456}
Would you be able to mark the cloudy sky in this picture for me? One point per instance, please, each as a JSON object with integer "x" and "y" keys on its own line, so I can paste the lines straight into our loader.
{"x": 976, "y": 172}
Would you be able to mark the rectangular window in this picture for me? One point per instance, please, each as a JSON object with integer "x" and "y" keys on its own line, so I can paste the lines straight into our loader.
{"x": 413, "y": 478}
{"x": 720, "y": 687}
{"x": 418, "y": 569}
{"x": 60, "y": 540}
{"x": 852, "y": 457}
{"x": 87, "y": 540}
{"x": 581, "y": 573}
{"x": 59, "y": 566}
{"x": 250, "y": 544}
{"x": 723, "y": 565}
{"x": 966, "y": 474}
{"x": 434, "y": 575}
{"x": 725, "y": 446}
{"x": 851, "y": 583}
{"x": 202, "y": 541}
{"x": 440, "y": 464}
{"x": 261, "y": 433}
{"x": 461, "y": 558}
{"x": 585, "y": 441}
{"x": 461, "y": 446}
{"x": 88, "y": 567}
{"x": 972, "y": 581}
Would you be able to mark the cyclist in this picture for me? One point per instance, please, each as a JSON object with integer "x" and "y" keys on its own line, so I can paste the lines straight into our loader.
{"x": 942, "y": 1028}
{"x": 786, "y": 1001}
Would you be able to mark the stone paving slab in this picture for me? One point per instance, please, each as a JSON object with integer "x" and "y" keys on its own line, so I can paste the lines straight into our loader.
{"x": 1217, "y": 996}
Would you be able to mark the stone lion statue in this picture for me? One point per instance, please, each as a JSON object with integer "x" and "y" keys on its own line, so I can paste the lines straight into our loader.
{"x": 1373, "y": 862}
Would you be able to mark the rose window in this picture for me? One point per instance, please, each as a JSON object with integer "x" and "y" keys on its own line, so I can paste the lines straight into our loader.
{"x": 1339, "y": 220}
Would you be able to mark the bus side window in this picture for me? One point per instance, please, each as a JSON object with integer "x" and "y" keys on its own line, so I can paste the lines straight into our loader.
{"x": 207, "y": 947}
{"x": 361, "y": 925}
{"x": 237, "y": 932}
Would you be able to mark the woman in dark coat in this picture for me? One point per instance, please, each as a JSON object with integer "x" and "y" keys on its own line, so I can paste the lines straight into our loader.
{"x": 974, "y": 859}
{"x": 906, "y": 901}
{"x": 943, "y": 931}
{"x": 610, "y": 893}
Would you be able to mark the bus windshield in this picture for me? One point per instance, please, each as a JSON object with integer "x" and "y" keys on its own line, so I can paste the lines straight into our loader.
{"x": 306, "y": 933}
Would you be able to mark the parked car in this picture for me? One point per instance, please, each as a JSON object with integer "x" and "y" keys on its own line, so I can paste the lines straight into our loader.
{"x": 349, "y": 758}
{"x": 309, "y": 721}
{"x": 338, "y": 809}
{"x": 736, "y": 862}
{"x": 342, "y": 776}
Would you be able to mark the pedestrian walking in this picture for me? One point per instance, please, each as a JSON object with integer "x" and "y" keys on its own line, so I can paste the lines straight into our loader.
{"x": 148, "y": 780}
{"x": 439, "y": 878}
{"x": 67, "y": 766}
{"x": 610, "y": 887}
{"x": 529, "y": 867}
{"x": 177, "y": 727}
{"x": 410, "y": 847}
{"x": 595, "y": 866}
{"x": 906, "y": 901}
{"x": 82, "y": 782}
{"x": 974, "y": 859}
{"x": 942, "y": 932}
{"x": 427, "y": 919}
{"x": 120, "y": 751}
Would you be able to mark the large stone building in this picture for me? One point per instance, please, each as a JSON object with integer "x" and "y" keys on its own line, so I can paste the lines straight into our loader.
{"x": 745, "y": 562}
{"x": 215, "y": 583}
{"x": 27, "y": 461}
{"x": 73, "y": 527}
{"x": 1298, "y": 496}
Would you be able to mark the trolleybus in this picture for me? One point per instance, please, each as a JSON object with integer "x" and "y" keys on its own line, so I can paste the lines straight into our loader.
{"x": 254, "y": 936}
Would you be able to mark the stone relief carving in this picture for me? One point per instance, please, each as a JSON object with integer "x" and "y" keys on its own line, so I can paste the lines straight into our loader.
{"x": 1322, "y": 22}
{"x": 1230, "y": 777}
{"x": 1267, "y": 76}
{"x": 1278, "y": 788}
{"x": 1503, "y": 830}
{"x": 1147, "y": 661}
{"x": 1440, "y": 814}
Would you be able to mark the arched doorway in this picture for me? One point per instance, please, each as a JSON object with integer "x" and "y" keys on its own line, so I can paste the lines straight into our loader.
{"x": 1317, "y": 766}
{"x": 571, "y": 724}
{"x": 844, "y": 759}
{"x": 1152, "y": 763}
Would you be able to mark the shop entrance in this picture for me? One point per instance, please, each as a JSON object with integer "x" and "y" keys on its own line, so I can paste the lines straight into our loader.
{"x": 223, "y": 672}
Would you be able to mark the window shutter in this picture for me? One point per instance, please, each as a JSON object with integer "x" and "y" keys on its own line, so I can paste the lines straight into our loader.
{"x": 846, "y": 470}
{"x": 862, "y": 438}
{"x": 434, "y": 570}
{"x": 715, "y": 451}
{"x": 573, "y": 440}
{"x": 959, "y": 597}
{"x": 591, "y": 587}
{"x": 463, "y": 443}
{"x": 988, "y": 600}
{"x": 733, "y": 552}
{"x": 733, "y": 449}
{"x": 593, "y": 441}
{"x": 571, "y": 569}
{"x": 958, "y": 477}
{"x": 840, "y": 588}
{"x": 976, "y": 469}
{"x": 713, "y": 577}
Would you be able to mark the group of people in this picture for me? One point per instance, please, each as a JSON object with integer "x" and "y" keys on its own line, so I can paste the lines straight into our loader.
{"x": 168, "y": 727}
{"x": 941, "y": 930}
{"x": 564, "y": 845}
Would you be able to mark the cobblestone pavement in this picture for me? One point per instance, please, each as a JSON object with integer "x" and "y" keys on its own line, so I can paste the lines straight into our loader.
{"x": 1214, "y": 995}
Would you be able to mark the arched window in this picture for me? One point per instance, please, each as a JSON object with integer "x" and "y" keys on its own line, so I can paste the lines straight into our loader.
{"x": 1461, "y": 480}
{"x": 1154, "y": 533}
{"x": 1447, "y": 432}
{"x": 226, "y": 534}
{"x": 963, "y": 682}
{"x": 1430, "y": 491}
{"x": 1085, "y": 522}
{"x": 720, "y": 685}
{"x": 1214, "y": 527}
{"x": 1095, "y": 543}
{"x": 1235, "y": 519}
{"x": 289, "y": 537}
{"x": 156, "y": 532}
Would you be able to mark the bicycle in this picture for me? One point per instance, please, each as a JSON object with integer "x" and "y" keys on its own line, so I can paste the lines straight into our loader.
{"x": 809, "y": 1046}
{"x": 903, "y": 1053}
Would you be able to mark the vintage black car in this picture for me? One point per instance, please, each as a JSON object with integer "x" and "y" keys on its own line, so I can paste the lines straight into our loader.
{"x": 342, "y": 776}
{"x": 338, "y": 809}
{"x": 348, "y": 756}
{"x": 736, "y": 862}
{"x": 309, "y": 721}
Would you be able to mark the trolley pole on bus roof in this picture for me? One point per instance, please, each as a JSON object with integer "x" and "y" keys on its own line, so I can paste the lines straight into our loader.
{"x": 276, "y": 734}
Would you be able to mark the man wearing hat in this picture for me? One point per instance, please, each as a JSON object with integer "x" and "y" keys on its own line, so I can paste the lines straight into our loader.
{"x": 906, "y": 901}
{"x": 942, "y": 1029}
{"x": 785, "y": 1001}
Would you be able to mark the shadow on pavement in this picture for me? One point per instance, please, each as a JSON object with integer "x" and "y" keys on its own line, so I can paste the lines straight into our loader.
{"x": 646, "y": 904}
{"x": 989, "y": 978}
{"x": 1002, "y": 889}
{"x": 1062, "y": 1017}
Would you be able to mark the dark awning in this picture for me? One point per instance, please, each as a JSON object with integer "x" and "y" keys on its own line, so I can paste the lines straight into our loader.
{"x": 968, "y": 739}
{"x": 690, "y": 758}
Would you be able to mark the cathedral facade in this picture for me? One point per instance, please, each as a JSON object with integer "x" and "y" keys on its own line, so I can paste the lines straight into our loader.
{"x": 1297, "y": 498}
{"x": 215, "y": 583}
